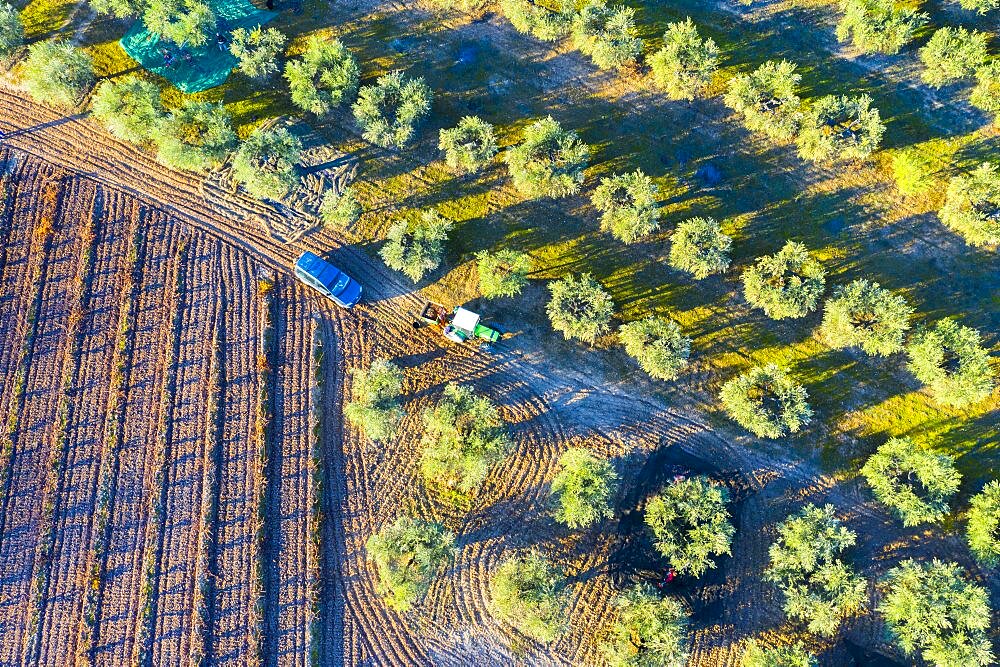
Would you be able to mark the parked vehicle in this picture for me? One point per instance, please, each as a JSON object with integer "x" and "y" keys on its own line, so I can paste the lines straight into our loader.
{"x": 328, "y": 280}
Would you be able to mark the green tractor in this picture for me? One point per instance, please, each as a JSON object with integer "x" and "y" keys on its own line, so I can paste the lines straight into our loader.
{"x": 459, "y": 324}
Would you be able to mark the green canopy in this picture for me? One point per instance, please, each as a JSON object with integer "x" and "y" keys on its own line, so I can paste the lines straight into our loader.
{"x": 194, "y": 69}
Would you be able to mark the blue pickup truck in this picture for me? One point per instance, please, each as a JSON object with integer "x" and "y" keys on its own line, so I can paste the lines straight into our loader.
{"x": 328, "y": 279}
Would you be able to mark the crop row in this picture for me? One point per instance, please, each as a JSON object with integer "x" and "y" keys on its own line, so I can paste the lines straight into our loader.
{"x": 316, "y": 490}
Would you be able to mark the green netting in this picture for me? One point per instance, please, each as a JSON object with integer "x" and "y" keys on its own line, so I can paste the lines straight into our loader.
{"x": 194, "y": 69}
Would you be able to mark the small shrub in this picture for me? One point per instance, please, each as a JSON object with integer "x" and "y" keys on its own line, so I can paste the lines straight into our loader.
{"x": 258, "y": 51}
{"x": 873, "y": 26}
{"x": 819, "y": 588}
{"x": 464, "y": 436}
{"x": 912, "y": 171}
{"x": 469, "y": 146}
{"x": 375, "y": 406}
{"x": 840, "y": 128}
{"x": 952, "y": 54}
{"x": 188, "y": 22}
{"x": 266, "y": 164}
{"x": 628, "y": 206}
{"x": 531, "y": 18}
{"x": 767, "y": 402}
{"x": 339, "y": 210}
{"x": 863, "y": 314}
{"x": 777, "y": 656}
{"x": 530, "y": 593}
{"x": 646, "y": 630}
{"x": 972, "y": 206}
{"x": 549, "y": 162}
{"x": 503, "y": 273}
{"x": 949, "y": 359}
{"x": 583, "y": 488}
{"x": 914, "y": 483}
{"x": 324, "y": 78}
{"x": 699, "y": 247}
{"x": 607, "y": 34}
{"x": 57, "y": 73}
{"x": 579, "y": 308}
{"x": 986, "y": 94}
{"x": 690, "y": 524}
{"x": 129, "y": 108}
{"x": 787, "y": 284}
{"x": 389, "y": 110}
{"x": 11, "y": 31}
{"x": 414, "y": 249}
{"x": 932, "y": 610}
{"x": 683, "y": 68}
{"x": 766, "y": 99}
{"x": 658, "y": 344}
{"x": 983, "y": 529}
{"x": 196, "y": 137}
{"x": 407, "y": 553}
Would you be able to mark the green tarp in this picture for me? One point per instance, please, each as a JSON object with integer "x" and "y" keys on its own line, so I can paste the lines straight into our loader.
{"x": 190, "y": 69}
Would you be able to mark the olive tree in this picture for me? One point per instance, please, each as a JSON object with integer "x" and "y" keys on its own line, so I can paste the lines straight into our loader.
{"x": 341, "y": 209}
{"x": 766, "y": 99}
{"x": 407, "y": 553}
{"x": 258, "y": 51}
{"x": 767, "y": 402}
{"x": 951, "y": 362}
{"x": 983, "y": 529}
{"x": 805, "y": 563}
{"x": 389, "y": 110}
{"x": 607, "y": 34}
{"x": 932, "y": 610}
{"x": 628, "y": 206}
{"x": 952, "y": 54}
{"x": 699, "y": 247}
{"x": 684, "y": 66}
{"x": 530, "y": 593}
{"x": 196, "y": 137}
{"x": 840, "y": 128}
{"x": 502, "y": 273}
{"x": 57, "y": 73}
{"x": 658, "y": 344}
{"x": 415, "y": 248}
{"x": 579, "y": 308}
{"x": 690, "y": 524}
{"x": 549, "y": 161}
{"x": 129, "y": 108}
{"x": 469, "y": 146}
{"x": 375, "y": 405}
{"x": 979, "y": 6}
{"x": 646, "y": 630}
{"x": 873, "y": 26}
{"x": 11, "y": 31}
{"x": 531, "y": 18}
{"x": 972, "y": 206}
{"x": 583, "y": 488}
{"x": 121, "y": 9}
{"x": 266, "y": 164}
{"x": 187, "y": 22}
{"x": 464, "y": 436}
{"x": 325, "y": 77}
{"x": 914, "y": 483}
{"x": 863, "y": 314}
{"x": 787, "y": 284}
{"x": 986, "y": 94}
{"x": 794, "y": 655}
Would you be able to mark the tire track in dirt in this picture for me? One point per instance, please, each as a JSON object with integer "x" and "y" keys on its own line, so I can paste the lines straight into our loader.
{"x": 176, "y": 581}
{"x": 119, "y": 613}
{"x": 232, "y": 629}
{"x": 33, "y": 410}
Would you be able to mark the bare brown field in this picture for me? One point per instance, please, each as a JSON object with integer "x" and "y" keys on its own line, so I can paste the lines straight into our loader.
{"x": 163, "y": 509}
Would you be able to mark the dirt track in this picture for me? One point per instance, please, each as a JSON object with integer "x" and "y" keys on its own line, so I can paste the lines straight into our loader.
{"x": 194, "y": 238}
